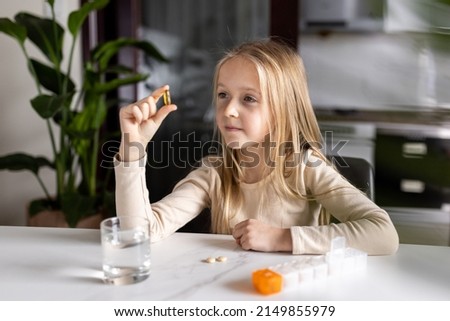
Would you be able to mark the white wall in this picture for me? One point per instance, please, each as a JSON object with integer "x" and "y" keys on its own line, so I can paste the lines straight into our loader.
{"x": 20, "y": 128}
{"x": 404, "y": 64}
{"x": 377, "y": 70}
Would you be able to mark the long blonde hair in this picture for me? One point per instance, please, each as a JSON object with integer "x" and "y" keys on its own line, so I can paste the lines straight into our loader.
{"x": 294, "y": 126}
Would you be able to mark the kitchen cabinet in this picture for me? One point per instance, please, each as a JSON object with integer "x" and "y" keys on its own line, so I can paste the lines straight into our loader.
{"x": 412, "y": 166}
{"x": 411, "y": 159}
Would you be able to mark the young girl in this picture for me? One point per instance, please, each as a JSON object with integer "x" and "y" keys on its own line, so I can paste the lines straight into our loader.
{"x": 271, "y": 188}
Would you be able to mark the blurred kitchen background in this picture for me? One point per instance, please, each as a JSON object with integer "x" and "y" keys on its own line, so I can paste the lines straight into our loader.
{"x": 379, "y": 77}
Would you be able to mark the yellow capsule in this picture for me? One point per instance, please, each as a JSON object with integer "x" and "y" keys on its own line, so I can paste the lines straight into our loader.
{"x": 166, "y": 98}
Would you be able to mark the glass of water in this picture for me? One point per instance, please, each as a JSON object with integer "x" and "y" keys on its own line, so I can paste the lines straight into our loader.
{"x": 126, "y": 249}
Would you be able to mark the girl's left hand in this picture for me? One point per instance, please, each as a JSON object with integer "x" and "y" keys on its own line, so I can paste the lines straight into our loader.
{"x": 254, "y": 235}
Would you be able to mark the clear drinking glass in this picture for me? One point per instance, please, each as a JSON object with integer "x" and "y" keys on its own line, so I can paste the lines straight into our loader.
{"x": 126, "y": 249}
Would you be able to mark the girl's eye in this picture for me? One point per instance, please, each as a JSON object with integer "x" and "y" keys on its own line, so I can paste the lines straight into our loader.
{"x": 222, "y": 95}
{"x": 249, "y": 99}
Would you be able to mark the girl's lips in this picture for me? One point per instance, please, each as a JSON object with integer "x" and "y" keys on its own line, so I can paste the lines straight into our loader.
{"x": 231, "y": 128}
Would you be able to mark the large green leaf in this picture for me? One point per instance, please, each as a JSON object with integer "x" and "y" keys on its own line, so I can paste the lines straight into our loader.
{"x": 39, "y": 205}
{"x": 79, "y": 135}
{"x": 119, "y": 70}
{"x": 21, "y": 161}
{"x": 76, "y": 206}
{"x": 105, "y": 51}
{"x": 77, "y": 18}
{"x": 86, "y": 124}
{"x": 51, "y": 79}
{"x": 90, "y": 118}
{"x": 13, "y": 29}
{"x": 46, "y": 34}
{"x": 47, "y": 106}
{"x": 118, "y": 82}
{"x": 447, "y": 2}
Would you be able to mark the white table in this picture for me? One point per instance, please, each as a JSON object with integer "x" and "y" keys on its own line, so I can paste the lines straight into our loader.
{"x": 65, "y": 264}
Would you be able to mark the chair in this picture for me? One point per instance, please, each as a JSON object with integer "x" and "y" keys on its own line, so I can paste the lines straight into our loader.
{"x": 357, "y": 171}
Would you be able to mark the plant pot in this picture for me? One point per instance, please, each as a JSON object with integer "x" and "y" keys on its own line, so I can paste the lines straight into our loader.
{"x": 56, "y": 219}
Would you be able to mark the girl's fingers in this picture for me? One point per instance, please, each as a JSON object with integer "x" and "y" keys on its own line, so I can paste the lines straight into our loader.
{"x": 162, "y": 113}
{"x": 159, "y": 92}
{"x": 148, "y": 107}
{"x": 237, "y": 233}
{"x": 148, "y": 104}
{"x": 152, "y": 107}
{"x": 145, "y": 109}
{"x": 137, "y": 114}
{"x": 155, "y": 95}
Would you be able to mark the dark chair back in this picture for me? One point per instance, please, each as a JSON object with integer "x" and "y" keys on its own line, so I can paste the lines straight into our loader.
{"x": 357, "y": 171}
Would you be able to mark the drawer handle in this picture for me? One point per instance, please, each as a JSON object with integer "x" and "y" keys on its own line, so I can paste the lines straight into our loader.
{"x": 414, "y": 150}
{"x": 412, "y": 186}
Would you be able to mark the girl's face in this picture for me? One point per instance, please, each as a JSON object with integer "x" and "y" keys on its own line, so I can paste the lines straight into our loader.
{"x": 242, "y": 113}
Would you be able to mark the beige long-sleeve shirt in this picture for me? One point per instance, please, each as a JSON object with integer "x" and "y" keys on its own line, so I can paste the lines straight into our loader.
{"x": 364, "y": 225}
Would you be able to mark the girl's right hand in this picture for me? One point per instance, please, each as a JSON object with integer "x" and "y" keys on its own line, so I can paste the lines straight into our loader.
{"x": 139, "y": 122}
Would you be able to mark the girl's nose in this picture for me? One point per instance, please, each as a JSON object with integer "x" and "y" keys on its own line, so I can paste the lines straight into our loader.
{"x": 231, "y": 110}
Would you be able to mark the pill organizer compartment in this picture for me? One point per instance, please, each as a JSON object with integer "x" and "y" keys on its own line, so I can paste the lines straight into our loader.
{"x": 338, "y": 261}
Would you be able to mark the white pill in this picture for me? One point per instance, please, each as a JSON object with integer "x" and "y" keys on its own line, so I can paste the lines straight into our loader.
{"x": 210, "y": 260}
{"x": 221, "y": 259}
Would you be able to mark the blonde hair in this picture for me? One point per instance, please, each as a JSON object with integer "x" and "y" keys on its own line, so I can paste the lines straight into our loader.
{"x": 294, "y": 126}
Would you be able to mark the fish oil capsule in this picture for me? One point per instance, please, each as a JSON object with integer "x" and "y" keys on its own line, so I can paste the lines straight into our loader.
{"x": 166, "y": 97}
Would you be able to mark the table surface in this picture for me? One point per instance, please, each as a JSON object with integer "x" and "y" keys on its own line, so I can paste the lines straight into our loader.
{"x": 65, "y": 264}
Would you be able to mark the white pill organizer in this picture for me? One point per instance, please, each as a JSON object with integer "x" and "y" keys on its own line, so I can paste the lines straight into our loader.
{"x": 339, "y": 260}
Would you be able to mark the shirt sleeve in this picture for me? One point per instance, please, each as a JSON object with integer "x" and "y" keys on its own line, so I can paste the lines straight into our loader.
{"x": 364, "y": 225}
{"x": 188, "y": 198}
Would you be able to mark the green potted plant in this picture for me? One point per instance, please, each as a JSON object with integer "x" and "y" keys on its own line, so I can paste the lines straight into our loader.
{"x": 74, "y": 115}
